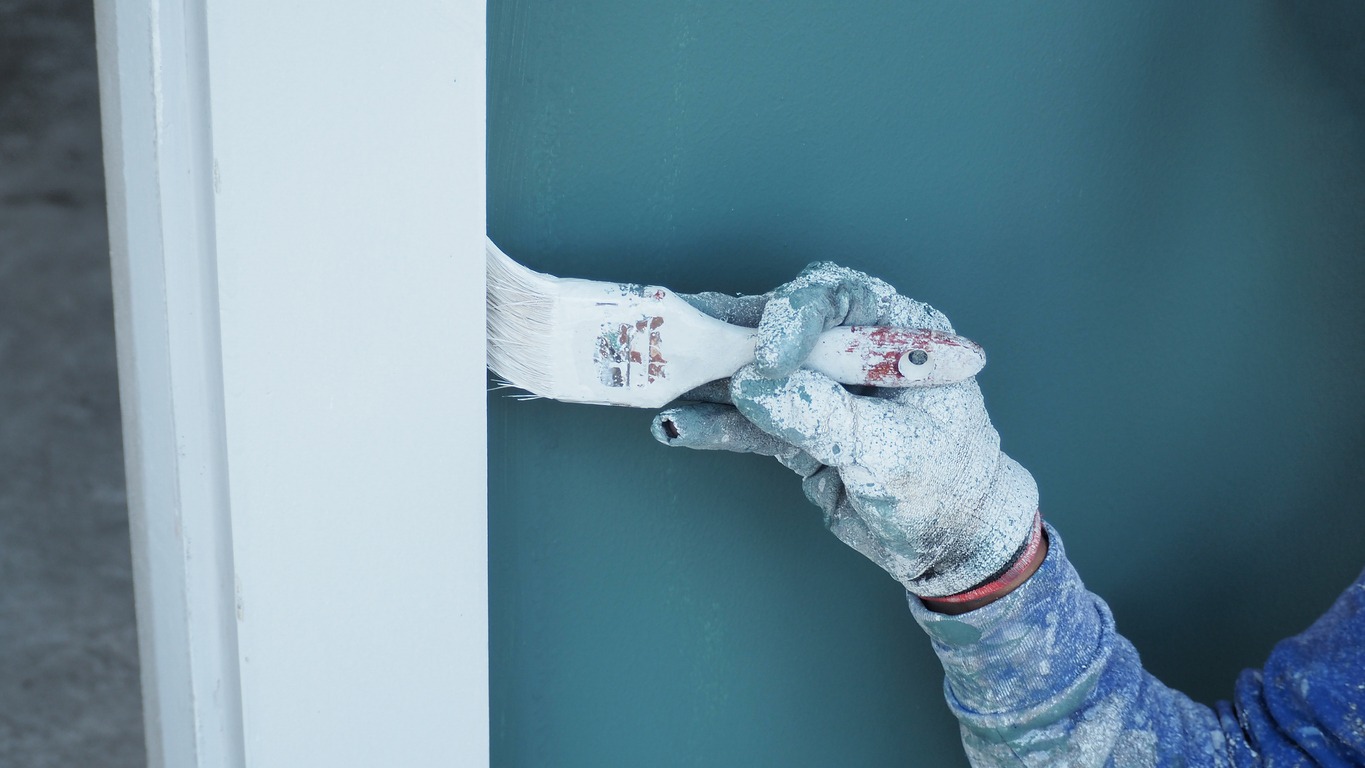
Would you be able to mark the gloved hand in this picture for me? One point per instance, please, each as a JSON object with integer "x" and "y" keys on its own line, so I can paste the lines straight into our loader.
{"x": 912, "y": 478}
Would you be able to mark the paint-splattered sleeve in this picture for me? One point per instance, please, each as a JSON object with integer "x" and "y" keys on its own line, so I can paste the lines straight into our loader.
{"x": 1041, "y": 678}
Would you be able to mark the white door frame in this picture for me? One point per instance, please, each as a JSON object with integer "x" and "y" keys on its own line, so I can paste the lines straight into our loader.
{"x": 296, "y": 208}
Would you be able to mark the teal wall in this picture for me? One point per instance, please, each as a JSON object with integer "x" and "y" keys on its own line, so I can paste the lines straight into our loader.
{"x": 1150, "y": 213}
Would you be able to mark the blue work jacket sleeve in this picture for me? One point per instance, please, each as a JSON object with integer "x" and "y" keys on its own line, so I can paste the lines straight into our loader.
{"x": 1041, "y": 678}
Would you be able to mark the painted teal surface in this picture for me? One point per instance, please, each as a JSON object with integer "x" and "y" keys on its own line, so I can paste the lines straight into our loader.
{"x": 1152, "y": 214}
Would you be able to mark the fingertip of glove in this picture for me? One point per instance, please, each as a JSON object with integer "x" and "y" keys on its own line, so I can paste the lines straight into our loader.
{"x": 696, "y": 425}
{"x": 786, "y": 335}
{"x": 664, "y": 428}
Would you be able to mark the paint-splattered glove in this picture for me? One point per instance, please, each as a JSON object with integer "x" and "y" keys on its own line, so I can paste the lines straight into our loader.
{"x": 912, "y": 478}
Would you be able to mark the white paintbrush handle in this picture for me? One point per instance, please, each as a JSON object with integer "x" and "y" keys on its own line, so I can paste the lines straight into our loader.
{"x": 883, "y": 356}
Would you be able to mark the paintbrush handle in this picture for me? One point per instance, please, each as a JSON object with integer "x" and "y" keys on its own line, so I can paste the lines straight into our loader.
{"x": 587, "y": 341}
{"x": 883, "y": 356}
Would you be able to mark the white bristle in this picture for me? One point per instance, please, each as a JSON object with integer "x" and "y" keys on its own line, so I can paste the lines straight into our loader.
{"x": 521, "y": 304}
{"x": 500, "y": 385}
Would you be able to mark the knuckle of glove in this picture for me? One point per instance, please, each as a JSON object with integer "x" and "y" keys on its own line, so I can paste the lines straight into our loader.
{"x": 824, "y": 489}
{"x": 737, "y": 310}
{"x": 854, "y": 297}
{"x": 911, "y": 313}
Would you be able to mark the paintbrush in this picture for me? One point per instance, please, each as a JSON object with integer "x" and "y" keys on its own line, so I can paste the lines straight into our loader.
{"x": 586, "y": 341}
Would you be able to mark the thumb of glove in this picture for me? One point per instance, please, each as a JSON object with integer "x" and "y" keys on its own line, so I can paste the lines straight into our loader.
{"x": 807, "y": 409}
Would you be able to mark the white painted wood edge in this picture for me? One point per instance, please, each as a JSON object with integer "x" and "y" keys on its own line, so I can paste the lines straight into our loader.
{"x": 205, "y": 578}
{"x": 348, "y": 157}
{"x": 158, "y": 168}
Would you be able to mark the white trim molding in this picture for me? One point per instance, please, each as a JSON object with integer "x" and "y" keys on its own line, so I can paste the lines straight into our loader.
{"x": 296, "y": 198}
{"x": 153, "y": 77}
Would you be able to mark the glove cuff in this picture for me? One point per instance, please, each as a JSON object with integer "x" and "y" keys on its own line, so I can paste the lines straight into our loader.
{"x": 1006, "y": 579}
{"x": 989, "y": 537}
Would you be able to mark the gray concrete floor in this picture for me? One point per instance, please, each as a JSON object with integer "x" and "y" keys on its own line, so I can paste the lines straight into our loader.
{"x": 69, "y": 693}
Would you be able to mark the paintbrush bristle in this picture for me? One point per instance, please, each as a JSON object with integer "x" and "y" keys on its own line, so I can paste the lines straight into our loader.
{"x": 588, "y": 341}
{"x": 521, "y": 305}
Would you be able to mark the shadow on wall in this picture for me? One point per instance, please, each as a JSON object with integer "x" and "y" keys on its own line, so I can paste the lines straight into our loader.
{"x": 1333, "y": 37}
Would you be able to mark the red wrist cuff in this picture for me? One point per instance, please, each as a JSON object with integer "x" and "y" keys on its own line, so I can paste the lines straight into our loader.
{"x": 1027, "y": 558}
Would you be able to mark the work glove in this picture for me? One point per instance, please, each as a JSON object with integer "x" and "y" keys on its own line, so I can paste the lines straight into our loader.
{"x": 913, "y": 478}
